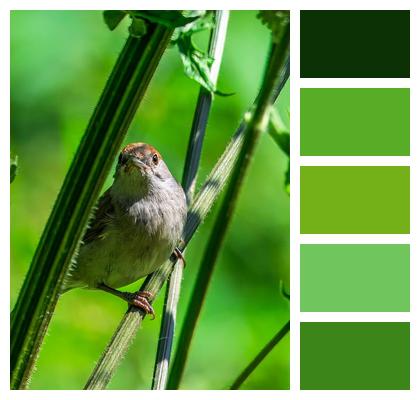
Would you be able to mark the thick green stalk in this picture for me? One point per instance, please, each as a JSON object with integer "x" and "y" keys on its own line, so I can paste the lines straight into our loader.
{"x": 260, "y": 356}
{"x": 91, "y": 164}
{"x": 192, "y": 161}
{"x": 255, "y": 127}
{"x": 131, "y": 321}
{"x": 202, "y": 204}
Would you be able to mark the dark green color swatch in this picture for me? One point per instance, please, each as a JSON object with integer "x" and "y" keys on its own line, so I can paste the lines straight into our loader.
{"x": 358, "y": 200}
{"x": 355, "y": 44}
{"x": 355, "y": 355}
{"x": 355, "y": 277}
{"x": 355, "y": 122}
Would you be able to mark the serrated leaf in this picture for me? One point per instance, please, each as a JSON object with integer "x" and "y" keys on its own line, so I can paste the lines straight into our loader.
{"x": 276, "y": 21}
{"x": 203, "y": 20}
{"x": 170, "y": 19}
{"x": 112, "y": 18}
{"x": 196, "y": 62}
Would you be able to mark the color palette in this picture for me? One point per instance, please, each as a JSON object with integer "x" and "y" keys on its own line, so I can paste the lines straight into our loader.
{"x": 355, "y": 277}
{"x": 355, "y": 122}
{"x": 355, "y": 355}
{"x": 350, "y": 186}
{"x": 348, "y": 200}
{"x": 355, "y": 44}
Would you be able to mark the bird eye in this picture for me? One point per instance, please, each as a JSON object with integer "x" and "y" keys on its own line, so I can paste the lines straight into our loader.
{"x": 155, "y": 159}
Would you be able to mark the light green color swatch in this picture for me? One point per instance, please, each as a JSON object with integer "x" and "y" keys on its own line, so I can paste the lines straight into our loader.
{"x": 355, "y": 277}
{"x": 355, "y": 122}
{"x": 355, "y": 200}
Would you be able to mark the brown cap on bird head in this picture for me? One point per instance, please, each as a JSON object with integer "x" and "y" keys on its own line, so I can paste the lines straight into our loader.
{"x": 144, "y": 152}
{"x": 140, "y": 150}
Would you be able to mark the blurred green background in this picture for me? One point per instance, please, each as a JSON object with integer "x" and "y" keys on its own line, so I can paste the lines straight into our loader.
{"x": 59, "y": 63}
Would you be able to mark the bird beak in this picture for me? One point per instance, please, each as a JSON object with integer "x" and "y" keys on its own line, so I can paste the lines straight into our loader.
{"x": 135, "y": 161}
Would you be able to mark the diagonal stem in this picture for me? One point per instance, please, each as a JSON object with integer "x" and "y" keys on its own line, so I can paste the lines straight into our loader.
{"x": 201, "y": 206}
{"x": 199, "y": 125}
{"x": 131, "y": 321}
{"x": 103, "y": 137}
{"x": 260, "y": 356}
{"x": 256, "y": 126}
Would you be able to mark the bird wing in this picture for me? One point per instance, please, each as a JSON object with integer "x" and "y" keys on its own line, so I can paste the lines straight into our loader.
{"x": 103, "y": 214}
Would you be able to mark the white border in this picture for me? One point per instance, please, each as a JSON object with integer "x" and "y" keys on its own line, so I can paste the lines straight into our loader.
{"x": 354, "y": 160}
{"x": 354, "y": 317}
{"x": 294, "y": 199}
{"x": 412, "y": 238}
{"x": 296, "y": 82}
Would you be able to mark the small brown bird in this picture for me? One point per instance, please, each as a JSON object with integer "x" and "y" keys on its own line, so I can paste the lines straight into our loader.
{"x": 136, "y": 227}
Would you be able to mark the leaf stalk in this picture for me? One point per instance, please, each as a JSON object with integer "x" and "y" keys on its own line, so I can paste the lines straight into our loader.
{"x": 199, "y": 125}
{"x": 91, "y": 164}
{"x": 255, "y": 127}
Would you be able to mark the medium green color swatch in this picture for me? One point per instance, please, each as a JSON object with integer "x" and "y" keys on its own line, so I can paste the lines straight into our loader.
{"x": 355, "y": 355}
{"x": 355, "y": 122}
{"x": 355, "y": 277}
{"x": 358, "y": 200}
{"x": 355, "y": 44}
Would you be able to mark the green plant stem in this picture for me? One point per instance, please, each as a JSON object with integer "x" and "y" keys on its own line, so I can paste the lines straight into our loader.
{"x": 199, "y": 125}
{"x": 100, "y": 144}
{"x": 201, "y": 206}
{"x": 260, "y": 356}
{"x": 256, "y": 126}
{"x": 131, "y": 321}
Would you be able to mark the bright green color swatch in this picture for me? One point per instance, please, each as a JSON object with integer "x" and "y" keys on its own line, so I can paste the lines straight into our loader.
{"x": 355, "y": 200}
{"x": 355, "y": 277}
{"x": 355, "y": 122}
{"x": 355, "y": 356}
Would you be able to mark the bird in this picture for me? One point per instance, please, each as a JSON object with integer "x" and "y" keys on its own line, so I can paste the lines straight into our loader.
{"x": 136, "y": 226}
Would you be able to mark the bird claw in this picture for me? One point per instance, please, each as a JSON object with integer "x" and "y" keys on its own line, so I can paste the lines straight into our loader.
{"x": 178, "y": 255}
{"x": 140, "y": 300}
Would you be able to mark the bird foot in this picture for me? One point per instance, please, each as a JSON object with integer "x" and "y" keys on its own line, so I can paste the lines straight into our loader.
{"x": 178, "y": 255}
{"x": 140, "y": 300}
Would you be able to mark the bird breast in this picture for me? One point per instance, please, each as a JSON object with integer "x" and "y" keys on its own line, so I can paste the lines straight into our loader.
{"x": 139, "y": 237}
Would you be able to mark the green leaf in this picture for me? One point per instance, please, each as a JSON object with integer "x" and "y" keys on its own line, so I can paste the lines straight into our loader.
{"x": 112, "y": 18}
{"x": 91, "y": 164}
{"x": 13, "y": 167}
{"x": 201, "y": 20}
{"x": 170, "y": 19}
{"x": 196, "y": 62}
{"x": 276, "y": 21}
{"x": 137, "y": 28}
